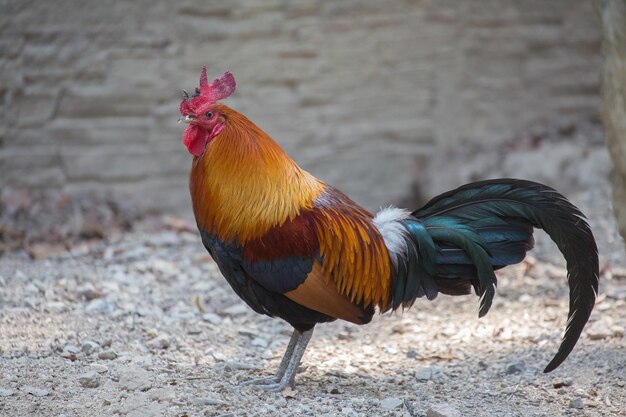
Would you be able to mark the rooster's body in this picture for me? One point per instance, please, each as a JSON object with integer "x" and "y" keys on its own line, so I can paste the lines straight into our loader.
{"x": 294, "y": 247}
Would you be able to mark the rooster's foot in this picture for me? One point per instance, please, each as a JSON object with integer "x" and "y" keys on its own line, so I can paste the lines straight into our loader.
{"x": 267, "y": 380}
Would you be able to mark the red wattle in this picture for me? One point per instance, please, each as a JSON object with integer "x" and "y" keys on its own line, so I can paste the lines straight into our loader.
{"x": 194, "y": 139}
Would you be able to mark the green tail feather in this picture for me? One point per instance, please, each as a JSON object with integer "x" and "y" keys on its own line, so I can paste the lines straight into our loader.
{"x": 488, "y": 215}
{"x": 448, "y": 230}
{"x": 415, "y": 272}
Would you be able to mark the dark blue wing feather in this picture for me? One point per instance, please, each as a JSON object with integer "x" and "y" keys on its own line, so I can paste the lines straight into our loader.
{"x": 279, "y": 275}
{"x": 250, "y": 283}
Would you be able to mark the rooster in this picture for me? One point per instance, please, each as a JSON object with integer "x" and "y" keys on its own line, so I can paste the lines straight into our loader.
{"x": 294, "y": 247}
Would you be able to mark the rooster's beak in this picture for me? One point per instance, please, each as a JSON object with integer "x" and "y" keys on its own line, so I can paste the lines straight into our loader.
{"x": 185, "y": 119}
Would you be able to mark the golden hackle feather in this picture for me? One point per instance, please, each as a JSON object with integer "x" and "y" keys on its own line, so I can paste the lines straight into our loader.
{"x": 245, "y": 184}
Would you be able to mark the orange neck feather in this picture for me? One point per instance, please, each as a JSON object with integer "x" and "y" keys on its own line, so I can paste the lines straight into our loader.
{"x": 244, "y": 184}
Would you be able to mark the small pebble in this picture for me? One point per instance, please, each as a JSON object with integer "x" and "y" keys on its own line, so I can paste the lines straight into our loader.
{"x": 136, "y": 379}
{"x": 268, "y": 354}
{"x": 391, "y": 403}
{"x": 37, "y": 392}
{"x": 411, "y": 354}
{"x": 247, "y": 332}
{"x": 562, "y": 382}
{"x": 331, "y": 389}
{"x": 515, "y": 368}
{"x": 212, "y": 318}
{"x": 429, "y": 373}
{"x": 56, "y": 307}
{"x": 343, "y": 336}
{"x": 218, "y": 356}
{"x": 70, "y": 351}
{"x": 6, "y": 392}
{"x": 442, "y": 410}
{"x": 160, "y": 342}
{"x": 162, "y": 394}
{"x": 89, "y": 380}
{"x": 99, "y": 306}
{"x": 581, "y": 393}
{"x": 576, "y": 403}
{"x": 207, "y": 401}
{"x": 108, "y": 354}
{"x": 89, "y": 346}
{"x": 236, "y": 310}
{"x": 31, "y": 289}
{"x": 90, "y": 293}
{"x": 239, "y": 365}
{"x": 144, "y": 361}
{"x": 99, "y": 368}
{"x": 390, "y": 350}
{"x": 260, "y": 342}
{"x": 399, "y": 328}
{"x": 599, "y": 330}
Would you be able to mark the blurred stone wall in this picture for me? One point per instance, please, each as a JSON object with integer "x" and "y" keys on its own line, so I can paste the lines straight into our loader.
{"x": 356, "y": 91}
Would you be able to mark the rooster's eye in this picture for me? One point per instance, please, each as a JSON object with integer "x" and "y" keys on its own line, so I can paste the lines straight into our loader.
{"x": 209, "y": 115}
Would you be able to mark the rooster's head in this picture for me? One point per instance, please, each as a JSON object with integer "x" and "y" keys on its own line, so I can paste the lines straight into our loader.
{"x": 202, "y": 112}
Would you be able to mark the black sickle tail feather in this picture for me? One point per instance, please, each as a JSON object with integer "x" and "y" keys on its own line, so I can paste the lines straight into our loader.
{"x": 462, "y": 236}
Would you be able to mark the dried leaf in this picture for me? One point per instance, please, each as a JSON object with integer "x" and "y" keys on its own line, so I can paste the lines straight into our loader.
{"x": 44, "y": 250}
{"x": 198, "y": 303}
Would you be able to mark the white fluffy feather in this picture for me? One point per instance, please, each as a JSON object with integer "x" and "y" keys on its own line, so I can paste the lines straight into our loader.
{"x": 387, "y": 222}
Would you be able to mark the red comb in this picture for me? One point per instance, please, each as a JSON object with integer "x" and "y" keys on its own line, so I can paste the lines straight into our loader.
{"x": 219, "y": 89}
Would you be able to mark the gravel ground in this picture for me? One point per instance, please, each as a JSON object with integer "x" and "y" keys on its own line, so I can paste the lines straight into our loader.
{"x": 142, "y": 324}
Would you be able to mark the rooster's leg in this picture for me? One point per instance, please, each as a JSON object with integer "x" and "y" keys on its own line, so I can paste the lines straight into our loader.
{"x": 295, "y": 336}
{"x": 288, "y": 377}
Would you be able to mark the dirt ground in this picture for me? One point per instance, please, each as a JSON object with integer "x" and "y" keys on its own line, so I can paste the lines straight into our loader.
{"x": 142, "y": 324}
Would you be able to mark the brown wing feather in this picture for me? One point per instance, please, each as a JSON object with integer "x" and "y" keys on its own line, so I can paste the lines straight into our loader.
{"x": 319, "y": 293}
